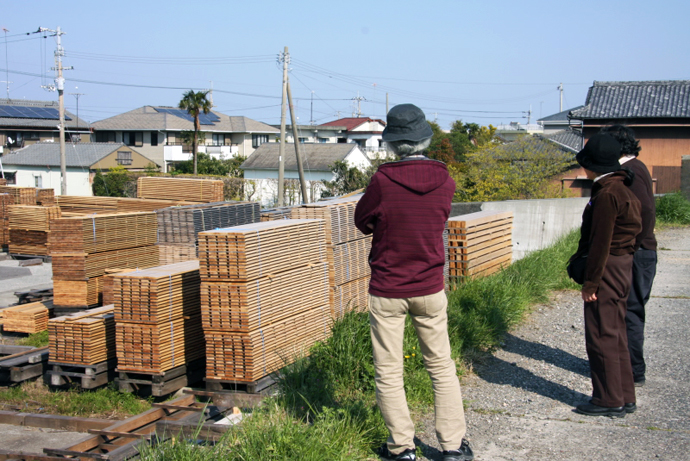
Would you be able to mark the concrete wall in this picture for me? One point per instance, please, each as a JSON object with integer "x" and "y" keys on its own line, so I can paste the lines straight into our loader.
{"x": 536, "y": 223}
{"x": 685, "y": 176}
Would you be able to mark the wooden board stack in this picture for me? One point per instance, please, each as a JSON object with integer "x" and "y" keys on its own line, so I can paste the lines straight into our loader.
{"x": 273, "y": 214}
{"x": 190, "y": 189}
{"x": 479, "y": 244}
{"x": 45, "y": 197}
{"x": 264, "y": 295}
{"x": 30, "y": 228}
{"x": 6, "y": 200}
{"x": 348, "y": 253}
{"x": 3, "y": 182}
{"x": 83, "y": 338}
{"x": 27, "y": 318}
{"x": 179, "y": 227}
{"x": 79, "y": 205}
{"x": 158, "y": 318}
{"x": 83, "y": 247}
{"x": 22, "y": 195}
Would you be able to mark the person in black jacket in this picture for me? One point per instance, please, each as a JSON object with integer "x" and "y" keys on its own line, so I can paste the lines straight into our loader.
{"x": 610, "y": 224}
{"x": 645, "y": 258}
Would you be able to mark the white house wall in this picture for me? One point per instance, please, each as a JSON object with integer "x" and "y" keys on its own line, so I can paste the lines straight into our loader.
{"x": 78, "y": 180}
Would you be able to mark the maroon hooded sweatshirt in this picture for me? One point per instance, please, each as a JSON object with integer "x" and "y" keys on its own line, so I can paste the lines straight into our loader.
{"x": 407, "y": 203}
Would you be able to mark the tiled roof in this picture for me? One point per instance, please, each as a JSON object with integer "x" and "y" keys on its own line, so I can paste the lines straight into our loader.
{"x": 148, "y": 118}
{"x": 535, "y": 144}
{"x": 567, "y": 139}
{"x": 38, "y": 122}
{"x": 649, "y": 99}
{"x": 317, "y": 156}
{"x": 350, "y": 123}
{"x": 558, "y": 117}
{"x": 80, "y": 155}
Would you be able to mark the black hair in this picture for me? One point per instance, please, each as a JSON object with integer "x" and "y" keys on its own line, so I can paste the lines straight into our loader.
{"x": 625, "y": 137}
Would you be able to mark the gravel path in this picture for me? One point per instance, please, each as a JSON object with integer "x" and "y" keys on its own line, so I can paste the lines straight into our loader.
{"x": 520, "y": 400}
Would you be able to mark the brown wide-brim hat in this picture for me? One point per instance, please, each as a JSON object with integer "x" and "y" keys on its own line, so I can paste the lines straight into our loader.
{"x": 406, "y": 122}
{"x": 600, "y": 154}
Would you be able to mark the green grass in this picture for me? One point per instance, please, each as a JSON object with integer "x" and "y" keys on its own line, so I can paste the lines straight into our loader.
{"x": 39, "y": 339}
{"x": 673, "y": 209}
{"x": 326, "y": 407}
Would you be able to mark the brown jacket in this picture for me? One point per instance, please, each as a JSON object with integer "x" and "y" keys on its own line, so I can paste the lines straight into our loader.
{"x": 610, "y": 223}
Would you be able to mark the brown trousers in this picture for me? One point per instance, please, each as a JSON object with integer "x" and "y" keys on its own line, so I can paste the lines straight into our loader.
{"x": 606, "y": 338}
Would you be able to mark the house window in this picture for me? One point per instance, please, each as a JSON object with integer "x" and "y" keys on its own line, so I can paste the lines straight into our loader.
{"x": 124, "y": 157}
{"x": 134, "y": 138}
{"x": 38, "y": 181}
{"x": 258, "y": 139}
{"x": 219, "y": 139}
{"x": 11, "y": 178}
{"x": 105, "y": 136}
{"x": 154, "y": 138}
{"x": 322, "y": 140}
{"x": 32, "y": 135}
{"x": 302, "y": 140}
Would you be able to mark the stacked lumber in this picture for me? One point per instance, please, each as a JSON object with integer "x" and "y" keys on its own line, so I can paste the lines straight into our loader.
{"x": 347, "y": 253}
{"x": 27, "y": 318}
{"x": 79, "y": 205}
{"x": 45, "y": 197}
{"x": 3, "y": 182}
{"x": 264, "y": 296}
{"x": 108, "y": 283}
{"x": 21, "y": 195}
{"x": 158, "y": 318}
{"x": 83, "y": 247}
{"x": 179, "y": 227}
{"x": 31, "y": 217}
{"x": 479, "y": 244}
{"x": 27, "y": 242}
{"x": 6, "y": 200}
{"x": 83, "y": 338}
{"x": 189, "y": 189}
{"x": 272, "y": 214}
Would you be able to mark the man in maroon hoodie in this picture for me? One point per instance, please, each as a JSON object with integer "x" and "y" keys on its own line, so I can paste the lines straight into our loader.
{"x": 406, "y": 206}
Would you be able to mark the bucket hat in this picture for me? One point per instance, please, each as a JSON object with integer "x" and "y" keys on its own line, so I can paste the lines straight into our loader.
{"x": 600, "y": 154}
{"x": 406, "y": 122}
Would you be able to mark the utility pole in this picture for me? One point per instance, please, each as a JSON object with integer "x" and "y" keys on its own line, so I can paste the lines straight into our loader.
{"x": 386, "y": 103}
{"x": 560, "y": 89}
{"x": 311, "y": 121}
{"x": 77, "y": 96}
{"x": 300, "y": 168}
{"x": 285, "y": 57}
{"x": 529, "y": 115}
{"x": 60, "y": 86}
{"x": 7, "y": 66}
{"x": 359, "y": 100}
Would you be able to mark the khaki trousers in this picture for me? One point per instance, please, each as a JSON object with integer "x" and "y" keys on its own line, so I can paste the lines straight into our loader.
{"x": 430, "y": 320}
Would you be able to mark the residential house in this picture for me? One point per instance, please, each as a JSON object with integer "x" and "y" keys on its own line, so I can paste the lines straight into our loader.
{"x": 515, "y": 130}
{"x": 38, "y": 165}
{"x": 658, "y": 112}
{"x": 261, "y": 169}
{"x": 156, "y": 132}
{"x": 23, "y": 123}
{"x": 556, "y": 122}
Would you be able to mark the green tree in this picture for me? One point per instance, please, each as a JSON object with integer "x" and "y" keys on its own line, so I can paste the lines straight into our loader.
{"x": 112, "y": 184}
{"x": 207, "y": 165}
{"x": 195, "y": 102}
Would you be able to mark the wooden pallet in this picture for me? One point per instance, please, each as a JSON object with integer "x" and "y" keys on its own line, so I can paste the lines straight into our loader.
{"x": 248, "y": 252}
{"x": 32, "y": 218}
{"x": 82, "y": 266}
{"x": 157, "y": 295}
{"x": 248, "y": 357}
{"x": 26, "y": 318}
{"x": 85, "y": 376}
{"x": 190, "y": 189}
{"x": 218, "y": 385}
{"x": 21, "y": 363}
{"x": 21, "y": 195}
{"x": 247, "y": 306}
{"x": 181, "y": 225}
{"x": 160, "y": 384}
{"x": 350, "y": 296}
{"x": 176, "y": 253}
{"x": 84, "y": 338}
{"x": 338, "y": 216}
{"x": 155, "y": 349}
{"x": 98, "y": 233}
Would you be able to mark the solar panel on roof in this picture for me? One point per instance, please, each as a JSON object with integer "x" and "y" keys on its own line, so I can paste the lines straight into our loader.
{"x": 204, "y": 119}
{"x": 42, "y": 113}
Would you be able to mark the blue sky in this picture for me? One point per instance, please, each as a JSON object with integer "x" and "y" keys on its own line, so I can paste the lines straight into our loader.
{"x": 483, "y": 62}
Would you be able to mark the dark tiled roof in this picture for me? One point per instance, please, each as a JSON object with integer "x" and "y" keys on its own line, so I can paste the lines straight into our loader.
{"x": 534, "y": 144}
{"x": 350, "y": 123}
{"x": 80, "y": 155}
{"x": 650, "y": 99}
{"x": 39, "y": 122}
{"x": 317, "y": 156}
{"x": 567, "y": 139}
{"x": 559, "y": 117}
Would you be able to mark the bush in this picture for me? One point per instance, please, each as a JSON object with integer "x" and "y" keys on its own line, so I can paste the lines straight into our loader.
{"x": 673, "y": 209}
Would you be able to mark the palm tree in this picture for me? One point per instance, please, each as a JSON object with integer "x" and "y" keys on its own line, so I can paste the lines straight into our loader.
{"x": 195, "y": 103}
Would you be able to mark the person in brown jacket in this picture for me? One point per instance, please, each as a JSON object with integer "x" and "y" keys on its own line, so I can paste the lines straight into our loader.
{"x": 610, "y": 224}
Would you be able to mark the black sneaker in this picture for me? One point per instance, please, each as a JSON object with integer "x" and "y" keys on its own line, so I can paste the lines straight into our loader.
{"x": 464, "y": 453}
{"x": 408, "y": 455}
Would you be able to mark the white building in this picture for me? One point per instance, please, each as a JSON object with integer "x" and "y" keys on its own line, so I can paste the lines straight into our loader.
{"x": 261, "y": 169}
